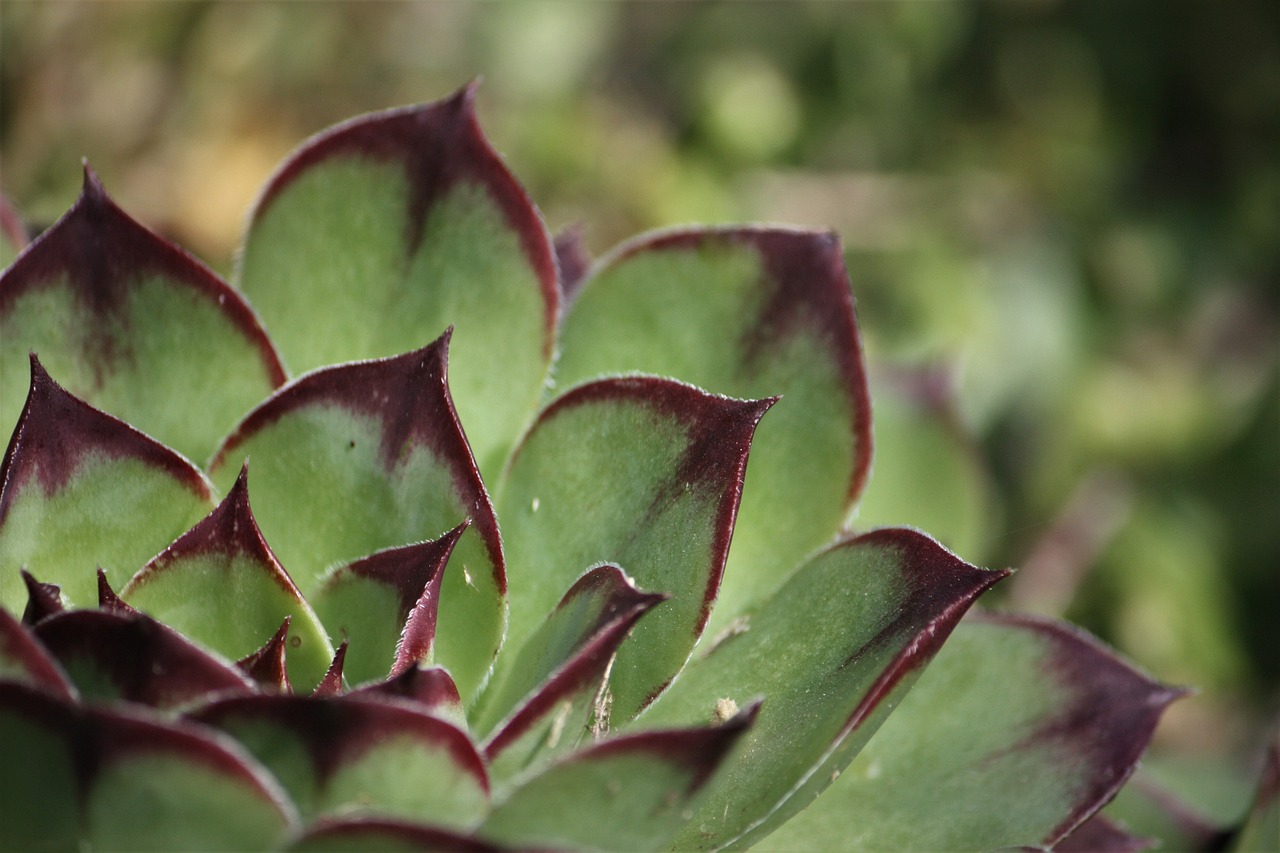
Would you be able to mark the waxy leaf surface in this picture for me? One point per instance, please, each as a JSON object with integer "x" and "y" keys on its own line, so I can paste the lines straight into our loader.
{"x": 642, "y": 472}
{"x": 133, "y": 325}
{"x": 749, "y": 313}
{"x": 76, "y": 778}
{"x": 342, "y": 756}
{"x": 134, "y": 658}
{"x": 386, "y": 606}
{"x": 550, "y": 688}
{"x": 831, "y": 652}
{"x": 1014, "y": 709}
{"x": 221, "y": 585}
{"x": 394, "y": 226}
{"x": 629, "y": 793}
{"x": 80, "y": 489}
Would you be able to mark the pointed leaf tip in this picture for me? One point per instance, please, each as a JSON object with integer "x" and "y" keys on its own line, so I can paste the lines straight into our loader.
{"x": 331, "y": 684}
{"x": 266, "y": 666}
{"x": 107, "y": 598}
{"x": 43, "y": 600}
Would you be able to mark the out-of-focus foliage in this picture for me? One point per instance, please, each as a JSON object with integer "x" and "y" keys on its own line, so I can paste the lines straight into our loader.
{"x": 1062, "y": 222}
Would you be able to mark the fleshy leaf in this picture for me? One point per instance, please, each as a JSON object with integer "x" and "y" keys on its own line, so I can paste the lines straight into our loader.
{"x": 386, "y": 606}
{"x": 80, "y": 489}
{"x": 268, "y": 665}
{"x": 43, "y": 600}
{"x": 357, "y": 458}
{"x": 394, "y": 226}
{"x": 331, "y": 684}
{"x": 430, "y": 688}
{"x": 221, "y": 585}
{"x": 657, "y": 467}
{"x": 629, "y": 793}
{"x": 359, "y": 835}
{"x": 108, "y": 600}
{"x": 560, "y": 670}
{"x": 1036, "y": 713}
{"x": 13, "y": 234}
{"x": 1261, "y": 828}
{"x": 77, "y": 778}
{"x": 23, "y": 659}
{"x": 832, "y": 652}
{"x": 749, "y": 313}
{"x": 344, "y": 756}
{"x": 113, "y": 656}
{"x": 133, "y": 325}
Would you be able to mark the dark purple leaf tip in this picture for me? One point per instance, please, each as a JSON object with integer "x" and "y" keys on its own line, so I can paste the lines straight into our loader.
{"x": 19, "y": 647}
{"x": 431, "y": 687}
{"x": 108, "y": 600}
{"x": 143, "y": 660}
{"x": 101, "y": 251}
{"x": 1107, "y": 719}
{"x": 440, "y": 146}
{"x": 572, "y": 259}
{"x": 229, "y": 531}
{"x": 58, "y": 432}
{"x": 331, "y": 684}
{"x": 266, "y": 666}
{"x": 43, "y": 600}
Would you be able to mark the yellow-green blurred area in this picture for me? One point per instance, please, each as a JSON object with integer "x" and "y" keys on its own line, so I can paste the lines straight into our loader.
{"x": 1062, "y": 223}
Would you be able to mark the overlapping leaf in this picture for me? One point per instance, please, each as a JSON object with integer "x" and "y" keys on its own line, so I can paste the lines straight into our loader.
{"x": 832, "y": 652}
{"x": 131, "y": 324}
{"x": 748, "y": 312}
{"x": 656, "y": 466}
{"x": 1017, "y": 709}
{"x": 220, "y": 584}
{"x": 80, "y": 489}
{"x": 379, "y": 233}
{"x": 75, "y": 778}
{"x": 24, "y": 660}
{"x": 357, "y": 458}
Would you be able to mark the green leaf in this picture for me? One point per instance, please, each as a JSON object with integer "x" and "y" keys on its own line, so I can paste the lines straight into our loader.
{"x": 385, "y": 605}
{"x": 379, "y": 835}
{"x": 628, "y": 793}
{"x": 1013, "y": 710}
{"x": 1261, "y": 827}
{"x": 13, "y": 234}
{"x": 832, "y": 652}
{"x": 221, "y": 585}
{"x": 353, "y": 459}
{"x": 380, "y": 232}
{"x": 77, "y": 778}
{"x": 642, "y": 472}
{"x": 559, "y": 671}
{"x": 132, "y": 657}
{"x": 748, "y": 312}
{"x": 134, "y": 326}
{"x": 80, "y": 489}
{"x": 25, "y": 660}
{"x": 348, "y": 756}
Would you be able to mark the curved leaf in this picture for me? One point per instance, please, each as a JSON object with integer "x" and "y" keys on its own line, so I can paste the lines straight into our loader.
{"x": 25, "y": 660}
{"x": 77, "y": 778}
{"x": 133, "y": 325}
{"x": 832, "y": 652}
{"x": 134, "y": 658}
{"x": 642, "y": 472}
{"x": 354, "y": 835}
{"x": 428, "y": 688}
{"x": 748, "y": 312}
{"x": 1014, "y": 709}
{"x": 357, "y": 458}
{"x": 394, "y": 226}
{"x": 629, "y": 793}
{"x": 386, "y": 606}
{"x": 560, "y": 670}
{"x": 344, "y": 756}
{"x": 220, "y": 584}
{"x": 80, "y": 489}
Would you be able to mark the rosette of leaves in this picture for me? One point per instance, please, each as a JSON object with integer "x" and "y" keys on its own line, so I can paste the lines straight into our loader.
{"x": 489, "y": 545}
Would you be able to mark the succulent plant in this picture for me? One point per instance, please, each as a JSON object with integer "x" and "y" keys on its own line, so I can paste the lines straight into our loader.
{"x": 445, "y": 562}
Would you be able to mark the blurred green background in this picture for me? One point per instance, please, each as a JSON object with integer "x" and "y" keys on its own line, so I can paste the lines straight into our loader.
{"x": 1062, "y": 223}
